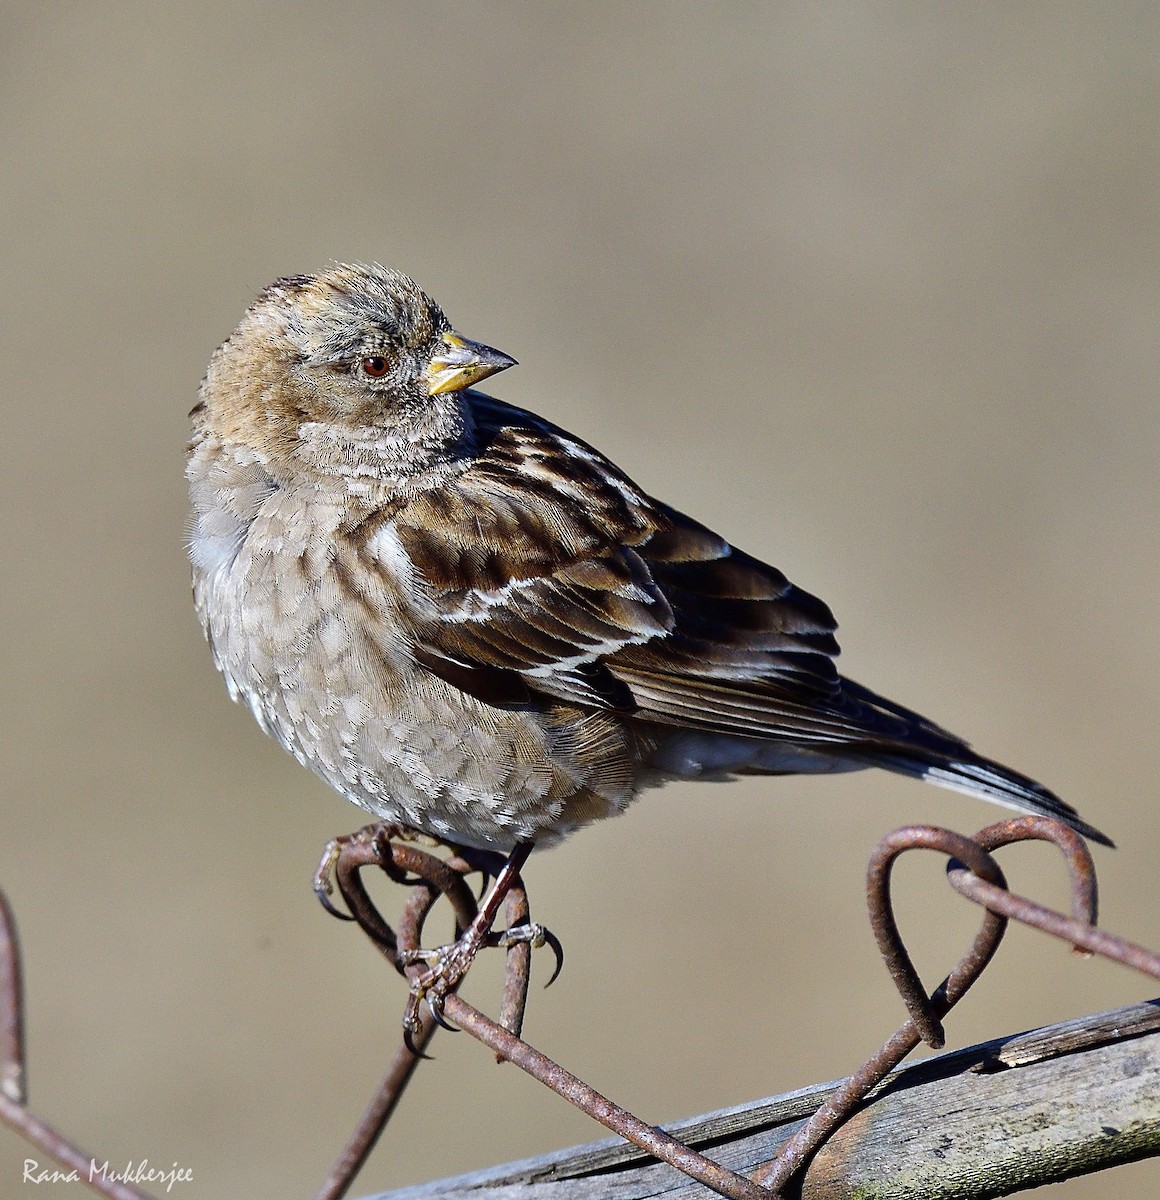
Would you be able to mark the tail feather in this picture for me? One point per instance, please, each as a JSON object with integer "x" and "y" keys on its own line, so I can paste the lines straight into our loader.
{"x": 905, "y": 741}
{"x": 977, "y": 776}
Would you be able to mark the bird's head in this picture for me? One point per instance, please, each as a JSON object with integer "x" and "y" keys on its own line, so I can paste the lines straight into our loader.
{"x": 350, "y": 356}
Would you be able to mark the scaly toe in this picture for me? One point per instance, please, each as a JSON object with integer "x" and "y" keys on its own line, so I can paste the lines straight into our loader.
{"x": 324, "y": 879}
{"x": 535, "y": 935}
{"x": 446, "y": 967}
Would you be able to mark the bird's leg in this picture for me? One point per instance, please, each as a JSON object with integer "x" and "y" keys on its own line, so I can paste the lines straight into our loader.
{"x": 447, "y": 965}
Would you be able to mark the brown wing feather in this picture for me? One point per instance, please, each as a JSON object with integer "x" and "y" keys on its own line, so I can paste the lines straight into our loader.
{"x": 545, "y": 561}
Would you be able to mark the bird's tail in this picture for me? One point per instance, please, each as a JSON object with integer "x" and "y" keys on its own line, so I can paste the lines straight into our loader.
{"x": 911, "y": 744}
{"x": 978, "y": 776}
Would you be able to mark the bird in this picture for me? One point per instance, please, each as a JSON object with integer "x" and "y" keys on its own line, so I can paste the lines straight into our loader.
{"x": 469, "y": 621}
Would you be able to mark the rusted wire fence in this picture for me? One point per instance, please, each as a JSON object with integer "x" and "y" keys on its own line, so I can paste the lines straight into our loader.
{"x": 972, "y": 870}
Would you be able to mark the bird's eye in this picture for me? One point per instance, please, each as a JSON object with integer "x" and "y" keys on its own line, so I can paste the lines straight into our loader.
{"x": 375, "y": 365}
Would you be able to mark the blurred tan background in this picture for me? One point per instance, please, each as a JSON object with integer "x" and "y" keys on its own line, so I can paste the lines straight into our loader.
{"x": 874, "y": 290}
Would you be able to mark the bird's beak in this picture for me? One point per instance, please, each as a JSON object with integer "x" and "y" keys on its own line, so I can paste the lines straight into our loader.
{"x": 463, "y": 363}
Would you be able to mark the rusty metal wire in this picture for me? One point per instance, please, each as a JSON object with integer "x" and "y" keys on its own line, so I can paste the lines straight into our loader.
{"x": 518, "y": 976}
{"x": 433, "y": 877}
{"x": 1080, "y": 928}
{"x": 924, "y": 1011}
{"x": 619, "y": 1120}
{"x": 376, "y": 1115}
{"x": 971, "y": 870}
{"x": 430, "y": 877}
{"x": 12, "y": 1081}
{"x": 509, "y": 1047}
{"x": 13, "y": 1078}
{"x": 974, "y": 873}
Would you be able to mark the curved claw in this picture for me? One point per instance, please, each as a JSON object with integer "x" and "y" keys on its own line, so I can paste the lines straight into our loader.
{"x": 557, "y": 948}
{"x": 425, "y": 989}
{"x": 534, "y": 935}
{"x": 326, "y": 902}
{"x": 322, "y": 882}
{"x": 428, "y": 987}
{"x": 409, "y": 1042}
{"x": 435, "y": 1008}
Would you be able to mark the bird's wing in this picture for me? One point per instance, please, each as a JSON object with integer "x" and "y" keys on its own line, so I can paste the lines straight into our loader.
{"x": 544, "y": 571}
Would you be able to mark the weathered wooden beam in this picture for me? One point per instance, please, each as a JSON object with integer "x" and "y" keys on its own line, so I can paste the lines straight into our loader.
{"x": 987, "y": 1121}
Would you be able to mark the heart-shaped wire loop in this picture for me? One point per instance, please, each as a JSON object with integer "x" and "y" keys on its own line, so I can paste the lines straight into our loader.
{"x": 926, "y": 1012}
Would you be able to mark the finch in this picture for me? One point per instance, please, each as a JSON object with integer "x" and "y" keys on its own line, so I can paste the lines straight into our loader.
{"x": 470, "y": 622}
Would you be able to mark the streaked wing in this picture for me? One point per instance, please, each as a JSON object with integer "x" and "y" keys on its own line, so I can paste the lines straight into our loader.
{"x": 547, "y": 571}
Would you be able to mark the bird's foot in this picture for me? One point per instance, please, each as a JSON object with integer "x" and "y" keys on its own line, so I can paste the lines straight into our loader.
{"x": 355, "y": 849}
{"x": 446, "y": 968}
{"x": 448, "y": 965}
